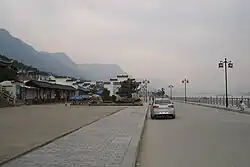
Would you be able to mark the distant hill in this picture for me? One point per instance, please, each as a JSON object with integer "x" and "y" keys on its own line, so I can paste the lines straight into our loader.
{"x": 15, "y": 48}
{"x": 100, "y": 71}
{"x": 56, "y": 63}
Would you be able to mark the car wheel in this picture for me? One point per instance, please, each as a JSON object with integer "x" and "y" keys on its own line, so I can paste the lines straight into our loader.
{"x": 173, "y": 116}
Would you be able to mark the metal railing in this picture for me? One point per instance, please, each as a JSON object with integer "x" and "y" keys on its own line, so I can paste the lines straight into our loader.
{"x": 233, "y": 101}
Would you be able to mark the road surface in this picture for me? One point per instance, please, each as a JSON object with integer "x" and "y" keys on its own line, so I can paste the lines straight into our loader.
{"x": 26, "y": 127}
{"x": 198, "y": 137}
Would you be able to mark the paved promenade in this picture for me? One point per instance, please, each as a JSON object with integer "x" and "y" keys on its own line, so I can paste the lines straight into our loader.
{"x": 26, "y": 127}
{"x": 112, "y": 142}
{"x": 230, "y": 108}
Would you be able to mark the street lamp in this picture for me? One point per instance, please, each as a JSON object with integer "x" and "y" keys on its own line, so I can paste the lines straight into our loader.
{"x": 146, "y": 82}
{"x": 185, "y": 81}
{"x": 226, "y": 64}
{"x": 171, "y": 91}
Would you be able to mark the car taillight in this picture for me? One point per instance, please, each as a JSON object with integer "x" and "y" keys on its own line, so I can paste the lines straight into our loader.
{"x": 155, "y": 106}
{"x": 171, "y": 106}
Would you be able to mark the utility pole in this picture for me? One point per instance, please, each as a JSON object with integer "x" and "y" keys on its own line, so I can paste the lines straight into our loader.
{"x": 171, "y": 91}
{"x": 226, "y": 64}
{"x": 185, "y": 81}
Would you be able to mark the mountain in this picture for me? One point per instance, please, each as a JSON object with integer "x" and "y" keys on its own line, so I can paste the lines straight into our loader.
{"x": 100, "y": 71}
{"x": 56, "y": 63}
{"x": 15, "y": 48}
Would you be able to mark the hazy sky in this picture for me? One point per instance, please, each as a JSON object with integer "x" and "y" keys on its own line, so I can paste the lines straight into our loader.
{"x": 160, "y": 39}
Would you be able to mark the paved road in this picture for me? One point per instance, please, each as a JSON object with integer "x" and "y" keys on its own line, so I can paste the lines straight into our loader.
{"x": 22, "y": 128}
{"x": 109, "y": 142}
{"x": 198, "y": 137}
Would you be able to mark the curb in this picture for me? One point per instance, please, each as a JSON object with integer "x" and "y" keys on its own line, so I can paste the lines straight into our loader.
{"x": 54, "y": 139}
{"x": 140, "y": 141}
{"x": 216, "y": 107}
{"x": 130, "y": 159}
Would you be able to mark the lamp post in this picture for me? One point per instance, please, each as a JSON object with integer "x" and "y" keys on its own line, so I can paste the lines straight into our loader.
{"x": 146, "y": 82}
{"x": 226, "y": 64}
{"x": 171, "y": 91}
{"x": 185, "y": 81}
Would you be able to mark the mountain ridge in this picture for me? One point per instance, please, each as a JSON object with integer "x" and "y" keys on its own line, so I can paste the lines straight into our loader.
{"x": 101, "y": 71}
{"x": 58, "y": 63}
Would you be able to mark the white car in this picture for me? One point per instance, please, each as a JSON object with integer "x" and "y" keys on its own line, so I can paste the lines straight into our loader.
{"x": 162, "y": 107}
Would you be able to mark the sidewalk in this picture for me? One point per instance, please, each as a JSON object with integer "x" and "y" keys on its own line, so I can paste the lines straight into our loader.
{"x": 112, "y": 142}
{"x": 231, "y": 108}
{"x": 28, "y": 127}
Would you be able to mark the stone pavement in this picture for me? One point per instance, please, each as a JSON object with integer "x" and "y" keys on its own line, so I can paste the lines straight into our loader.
{"x": 27, "y": 127}
{"x": 112, "y": 142}
{"x": 230, "y": 108}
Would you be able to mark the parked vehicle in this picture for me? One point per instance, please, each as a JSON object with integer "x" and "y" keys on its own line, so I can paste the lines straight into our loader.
{"x": 162, "y": 107}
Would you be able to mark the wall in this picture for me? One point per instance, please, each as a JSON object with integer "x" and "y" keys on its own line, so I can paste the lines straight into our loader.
{"x": 10, "y": 87}
{"x": 31, "y": 94}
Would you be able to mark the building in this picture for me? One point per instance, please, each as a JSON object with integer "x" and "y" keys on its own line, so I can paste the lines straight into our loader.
{"x": 48, "y": 92}
{"x": 114, "y": 84}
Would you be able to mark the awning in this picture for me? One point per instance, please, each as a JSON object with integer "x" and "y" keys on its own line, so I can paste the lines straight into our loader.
{"x": 99, "y": 92}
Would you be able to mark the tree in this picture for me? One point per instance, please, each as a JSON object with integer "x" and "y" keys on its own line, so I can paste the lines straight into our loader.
{"x": 128, "y": 87}
{"x": 106, "y": 95}
{"x": 159, "y": 93}
{"x": 7, "y": 74}
{"x": 93, "y": 89}
{"x": 113, "y": 98}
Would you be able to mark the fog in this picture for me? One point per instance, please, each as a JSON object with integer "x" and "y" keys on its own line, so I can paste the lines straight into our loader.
{"x": 162, "y": 40}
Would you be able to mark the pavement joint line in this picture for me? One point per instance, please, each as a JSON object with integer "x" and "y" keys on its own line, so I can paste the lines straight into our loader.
{"x": 56, "y": 138}
{"x": 216, "y": 107}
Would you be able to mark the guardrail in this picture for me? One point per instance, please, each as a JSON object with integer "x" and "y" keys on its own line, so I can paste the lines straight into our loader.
{"x": 233, "y": 101}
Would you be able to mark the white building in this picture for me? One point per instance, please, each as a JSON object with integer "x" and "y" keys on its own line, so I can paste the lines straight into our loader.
{"x": 115, "y": 83}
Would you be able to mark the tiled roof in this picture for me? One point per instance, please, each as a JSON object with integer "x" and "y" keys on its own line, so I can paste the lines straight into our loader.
{"x": 41, "y": 84}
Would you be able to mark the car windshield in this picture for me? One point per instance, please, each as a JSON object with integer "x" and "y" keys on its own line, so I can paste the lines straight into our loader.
{"x": 161, "y": 102}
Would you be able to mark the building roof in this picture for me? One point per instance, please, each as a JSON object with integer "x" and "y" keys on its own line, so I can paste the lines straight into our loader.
{"x": 122, "y": 76}
{"x": 113, "y": 79}
{"x": 41, "y": 84}
{"x": 5, "y": 64}
{"x": 107, "y": 83}
{"x": 83, "y": 89}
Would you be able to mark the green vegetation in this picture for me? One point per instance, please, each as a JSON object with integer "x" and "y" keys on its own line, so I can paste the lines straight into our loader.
{"x": 21, "y": 66}
{"x": 106, "y": 95}
{"x": 128, "y": 87}
{"x": 159, "y": 93}
{"x": 7, "y": 74}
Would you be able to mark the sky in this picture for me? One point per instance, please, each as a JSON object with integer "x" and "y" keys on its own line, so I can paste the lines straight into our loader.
{"x": 163, "y": 40}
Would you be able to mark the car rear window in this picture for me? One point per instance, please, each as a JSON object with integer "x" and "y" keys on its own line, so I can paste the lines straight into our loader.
{"x": 163, "y": 102}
